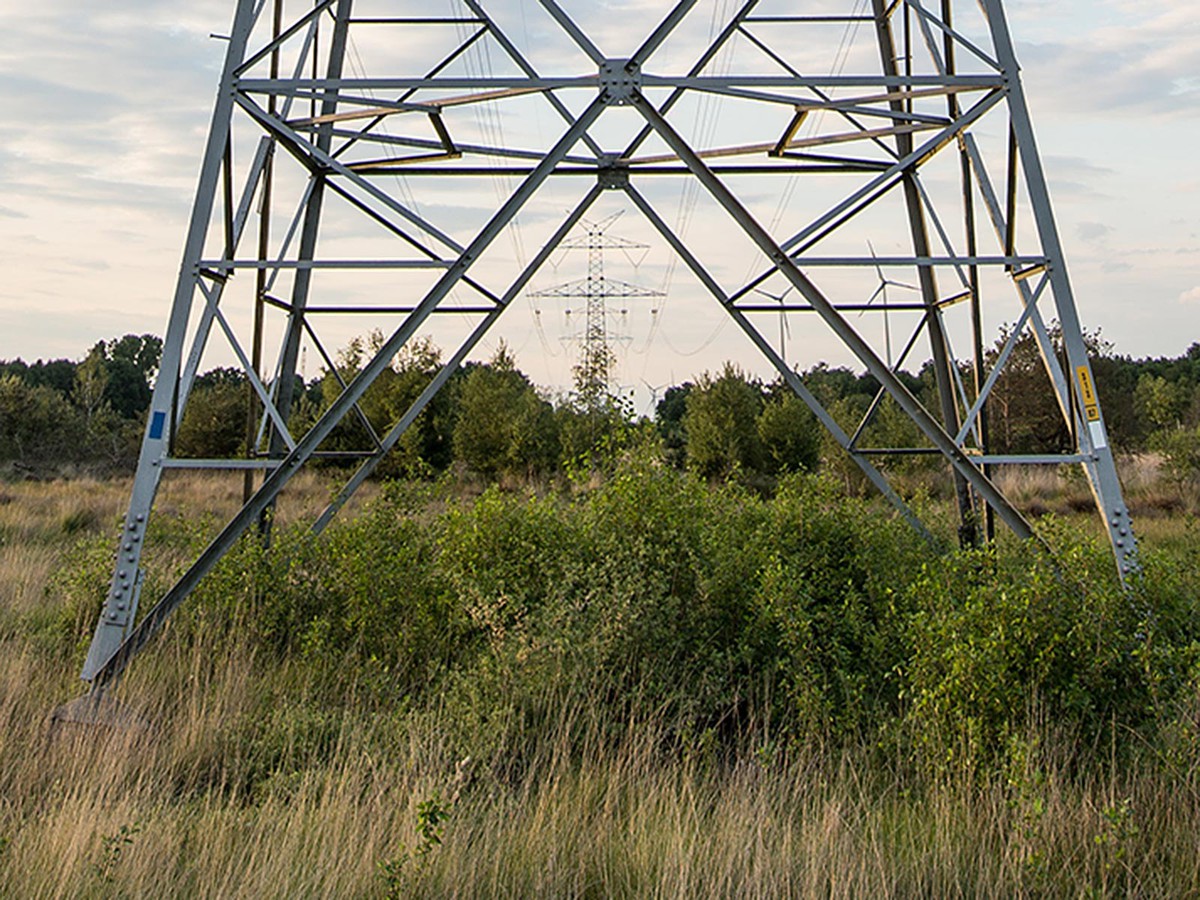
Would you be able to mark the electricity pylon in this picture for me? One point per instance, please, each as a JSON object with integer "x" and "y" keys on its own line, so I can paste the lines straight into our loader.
{"x": 593, "y": 372}
{"x": 380, "y": 123}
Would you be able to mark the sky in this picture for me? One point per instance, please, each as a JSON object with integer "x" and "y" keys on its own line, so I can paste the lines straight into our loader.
{"x": 104, "y": 109}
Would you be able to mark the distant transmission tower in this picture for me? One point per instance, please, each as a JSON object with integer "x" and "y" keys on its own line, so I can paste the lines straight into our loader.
{"x": 594, "y": 371}
{"x": 914, "y": 126}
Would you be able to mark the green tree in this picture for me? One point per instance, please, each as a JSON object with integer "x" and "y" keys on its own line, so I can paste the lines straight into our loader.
{"x": 830, "y": 385}
{"x": 1024, "y": 414}
{"x": 1022, "y": 410}
{"x": 593, "y": 437}
{"x": 848, "y": 412}
{"x": 790, "y": 433}
{"x": 37, "y": 424}
{"x": 130, "y": 364}
{"x": 58, "y": 374}
{"x": 668, "y": 416}
{"x": 1180, "y": 448}
{"x": 503, "y": 426}
{"x": 1160, "y": 403}
{"x": 214, "y": 424}
{"x": 91, "y": 384}
{"x": 425, "y": 446}
{"x": 142, "y": 352}
{"x": 721, "y": 423}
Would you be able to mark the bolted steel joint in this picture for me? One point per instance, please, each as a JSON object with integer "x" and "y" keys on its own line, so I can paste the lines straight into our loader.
{"x": 613, "y": 174}
{"x": 619, "y": 79}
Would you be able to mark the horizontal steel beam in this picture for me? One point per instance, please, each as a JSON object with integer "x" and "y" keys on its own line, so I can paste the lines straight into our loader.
{"x": 219, "y": 264}
{"x": 698, "y": 82}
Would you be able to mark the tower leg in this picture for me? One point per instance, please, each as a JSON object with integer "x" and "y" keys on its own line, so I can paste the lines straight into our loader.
{"x": 116, "y": 617}
{"x": 105, "y": 668}
{"x": 1088, "y": 423}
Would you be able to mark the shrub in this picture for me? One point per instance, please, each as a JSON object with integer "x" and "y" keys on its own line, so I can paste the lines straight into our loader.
{"x": 996, "y": 639}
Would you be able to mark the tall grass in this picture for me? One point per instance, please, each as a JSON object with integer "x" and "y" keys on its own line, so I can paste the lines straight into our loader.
{"x": 554, "y": 741}
{"x": 1062, "y": 490}
{"x": 619, "y": 819}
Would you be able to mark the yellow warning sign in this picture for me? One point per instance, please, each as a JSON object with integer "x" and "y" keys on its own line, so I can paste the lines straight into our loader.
{"x": 1087, "y": 393}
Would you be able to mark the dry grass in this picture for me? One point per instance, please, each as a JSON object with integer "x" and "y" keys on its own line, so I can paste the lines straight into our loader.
{"x": 1062, "y": 490}
{"x": 169, "y": 812}
{"x": 33, "y": 511}
{"x": 38, "y": 523}
{"x": 39, "y": 520}
{"x": 243, "y": 788}
{"x": 219, "y": 495}
{"x": 39, "y": 512}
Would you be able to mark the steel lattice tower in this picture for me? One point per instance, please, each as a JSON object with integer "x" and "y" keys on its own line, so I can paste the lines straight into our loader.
{"x": 376, "y": 115}
{"x": 594, "y": 370}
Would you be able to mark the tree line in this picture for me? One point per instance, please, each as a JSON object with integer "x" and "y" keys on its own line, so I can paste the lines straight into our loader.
{"x": 88, "y": 412}
{"x": 492, "y": 420}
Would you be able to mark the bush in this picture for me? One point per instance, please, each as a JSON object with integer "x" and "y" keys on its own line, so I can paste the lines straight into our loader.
{"x": 996, "y": 641}
{"x": 708, "y": 604}
{"x": 709, "y": 609}
{"x": 369, "y": 592}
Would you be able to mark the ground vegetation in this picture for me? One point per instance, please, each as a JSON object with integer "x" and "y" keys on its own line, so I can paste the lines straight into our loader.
{"x": 647, "y": 683}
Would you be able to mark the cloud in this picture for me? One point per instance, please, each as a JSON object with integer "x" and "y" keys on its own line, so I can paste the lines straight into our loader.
{"x": 1192, "y": 296}
{"x": 1092, "y": 231}
{"x": 1143, "y": 59}
{"x": 1076, "y": 176}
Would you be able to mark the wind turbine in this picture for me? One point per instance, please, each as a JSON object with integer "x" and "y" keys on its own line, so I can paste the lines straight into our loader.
{"x": 785, "y": 330}
{"x": 881, "y": 291}
{"x": 654, "y": 391}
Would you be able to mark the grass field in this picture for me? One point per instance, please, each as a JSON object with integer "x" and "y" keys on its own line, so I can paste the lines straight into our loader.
{"x": 368, "y": 754}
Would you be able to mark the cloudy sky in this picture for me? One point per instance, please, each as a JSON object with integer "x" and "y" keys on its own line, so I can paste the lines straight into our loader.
{"x": 104, "y": 108}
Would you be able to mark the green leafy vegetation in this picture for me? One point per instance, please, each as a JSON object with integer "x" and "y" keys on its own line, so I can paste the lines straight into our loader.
{"x": 643, "y": 684}
{"x": 59, "y": 413}
{"x": 491, "y": 423}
